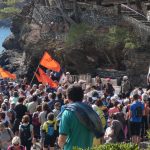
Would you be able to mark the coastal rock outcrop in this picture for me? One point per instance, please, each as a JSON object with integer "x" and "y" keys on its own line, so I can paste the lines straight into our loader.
{"x": 44, "y": 25}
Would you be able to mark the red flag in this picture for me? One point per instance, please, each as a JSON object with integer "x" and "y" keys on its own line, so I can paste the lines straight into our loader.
{"x": 38, "y": 77}
{"x": 47, "y": 80}
{"x": 48, "y": 62}
{"x": 7, "y": 74}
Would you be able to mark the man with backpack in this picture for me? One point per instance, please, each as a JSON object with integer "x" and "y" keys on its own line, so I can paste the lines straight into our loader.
{"x": 136, "y": 113}
{"x": 49, "y": 128}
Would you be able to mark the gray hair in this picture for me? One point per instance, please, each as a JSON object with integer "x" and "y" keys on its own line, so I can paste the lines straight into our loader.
{"x": 16, "y": 140}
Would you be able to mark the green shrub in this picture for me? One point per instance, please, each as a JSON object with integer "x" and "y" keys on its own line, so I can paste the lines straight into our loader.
{"x": 118, "y": 146}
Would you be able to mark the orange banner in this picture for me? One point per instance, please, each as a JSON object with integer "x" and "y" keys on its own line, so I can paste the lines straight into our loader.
{"x": 49, "y": 63}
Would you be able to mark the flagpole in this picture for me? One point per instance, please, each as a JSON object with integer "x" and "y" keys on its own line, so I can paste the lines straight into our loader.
{"x": 37, "y": 69}
{"x": 34, "y": 74}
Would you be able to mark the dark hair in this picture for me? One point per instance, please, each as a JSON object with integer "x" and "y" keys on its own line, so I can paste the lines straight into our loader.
{"x": 21, "y": 99}
{"x": 34, "y": 98}
{"x": 99, "y": 103}
{"x": 53, "y": 96}
{"x": 75, "y": 92}
{"x": 59, "y": 96}
{"x": 16, "y": 94}
{"x": 39, "y": 108}
{"x": 135, "y": 96}
{"x": 46, "y": 99}
{"x": 50, "y": 116}
{"x": 3, "y": 115}
{"x": 45, "y": 107}
{"x": 116, "y": 104}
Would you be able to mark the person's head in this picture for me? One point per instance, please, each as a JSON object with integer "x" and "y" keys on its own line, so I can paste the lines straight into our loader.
{"x": 16, "y": 94}
{"x": 135, "y": 97}
{"x": 144, "y": 97}
{"x": 34, "y": 87}
{"x": 2, "y": 115}
{"x": 113, "y": 100}
{"x": 115, "y": 104}
{"x": 34, "y": 98}
{"x": 25, "y": 119}
{"x": 53, "y": 96}
{"x": 57, "y": 105}
{"x": 16, "y": 141}
{"x": 59, "y": 96}
{"x": 12, "y": 105}
{"x": 21, "y": 99}
{"x": 2, "y": 126}
{"x": 41, "y": 86}
{"x": 126, "y": 101}
{"x": 45, "y": 107}
{"x": 50, "y": 116}
{"x": 75, "y": 93}
{"x": 39, "y": 108}
{"x": 125, "y": 78}
{"x": 99, "y": 103}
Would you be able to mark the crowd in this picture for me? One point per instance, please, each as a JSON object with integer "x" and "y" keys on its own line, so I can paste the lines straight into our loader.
{"x": 73, "y": 115}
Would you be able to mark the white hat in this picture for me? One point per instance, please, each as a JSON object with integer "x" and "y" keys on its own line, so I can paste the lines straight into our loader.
{"x": 126, "y": 100}
{"x": 67, "y": 73}
{"x": 125, "y": 77}
{"x": 5, "y": 100}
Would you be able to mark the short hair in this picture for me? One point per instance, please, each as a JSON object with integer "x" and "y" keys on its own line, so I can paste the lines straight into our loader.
{"x": 34, "y": 98}
{"x": 99, "y": 103}
{"x": 53, "y": 96}
{"x": 3, "y": 115}
{"x": 75, "y": 92}
{"x": 39, "y": 108}
{"x": 2, "y": 125}
{"x": 16, "y": 140}
{"x": 135, "y": 96}
{"x": 21, "y": 99}
{"x": 50, "y": 116}
{"x": 25, "y": 119}
{"x": 57, "y": 104}
{"x": 45, "y": 107}
{"x": 16, "y": 94}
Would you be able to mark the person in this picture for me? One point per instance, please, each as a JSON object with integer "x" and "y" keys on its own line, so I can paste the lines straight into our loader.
{"x": 35, "y": 122}
{"x": 26, "y": 132}
{"x": 20, "y": 110}
{"x": 108, "y": 88}
{"x": 125, "y": 87}
{"x": 79, "y": 122}
{"x": 136, "y": 112}
{"x": 49, "y": 128}
{"x": 114, "y": 133}
{"x": 114, "y": 109}
{"x": 16, "y": 144}
{"x": 6, "y": 136}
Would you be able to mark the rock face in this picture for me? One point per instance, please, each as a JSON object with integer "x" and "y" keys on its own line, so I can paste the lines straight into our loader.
{"x": 43, "y": 25}
{"x": 11, "y": 43}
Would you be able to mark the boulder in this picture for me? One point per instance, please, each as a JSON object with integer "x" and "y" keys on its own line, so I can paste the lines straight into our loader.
{"x": 11, "y": 43}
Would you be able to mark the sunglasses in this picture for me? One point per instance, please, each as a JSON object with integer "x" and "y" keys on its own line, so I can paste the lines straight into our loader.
{"x": 16, "y": 144}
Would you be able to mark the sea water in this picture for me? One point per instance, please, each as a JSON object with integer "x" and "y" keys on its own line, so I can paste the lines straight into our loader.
{"x": 4, "y": 32}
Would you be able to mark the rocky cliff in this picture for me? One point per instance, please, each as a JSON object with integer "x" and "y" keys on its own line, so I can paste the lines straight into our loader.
{"x": 44, "y": 25}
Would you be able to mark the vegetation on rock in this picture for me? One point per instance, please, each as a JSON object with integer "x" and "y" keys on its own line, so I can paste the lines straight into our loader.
{"x": 9, "y": 8}
{"x": 100, "y": 45}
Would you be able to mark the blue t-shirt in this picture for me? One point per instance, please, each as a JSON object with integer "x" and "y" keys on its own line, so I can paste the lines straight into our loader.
{"x": 133, "y": 107}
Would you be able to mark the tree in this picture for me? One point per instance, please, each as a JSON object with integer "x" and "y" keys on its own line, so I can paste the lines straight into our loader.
{"x": 8, "y": 8}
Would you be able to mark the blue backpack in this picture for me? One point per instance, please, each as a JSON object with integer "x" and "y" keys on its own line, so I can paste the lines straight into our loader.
{"x": 50, "y": 129}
